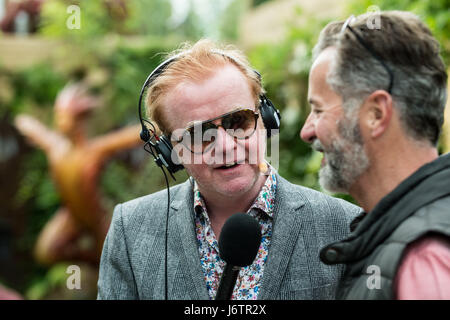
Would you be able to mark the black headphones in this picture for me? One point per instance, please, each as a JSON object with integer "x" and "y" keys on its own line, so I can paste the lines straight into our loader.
{"x": 160, "y": 147}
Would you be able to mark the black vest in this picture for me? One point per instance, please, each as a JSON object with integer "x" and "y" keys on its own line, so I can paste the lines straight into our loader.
{"x": 420, "y": 205}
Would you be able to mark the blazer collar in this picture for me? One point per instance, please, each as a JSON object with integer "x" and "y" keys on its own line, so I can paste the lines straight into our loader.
{"x": 183, "y": 206}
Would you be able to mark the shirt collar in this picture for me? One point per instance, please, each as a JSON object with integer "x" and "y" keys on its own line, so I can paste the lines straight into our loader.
{"x": 264, "y": 201}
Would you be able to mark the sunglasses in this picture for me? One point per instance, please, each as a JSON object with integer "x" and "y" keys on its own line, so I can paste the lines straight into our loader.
{"x": 369, "y": 48}
{"x": 200, "y": 136}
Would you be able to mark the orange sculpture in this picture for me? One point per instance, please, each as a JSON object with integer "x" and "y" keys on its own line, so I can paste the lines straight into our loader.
{"x": 78, "y": 228}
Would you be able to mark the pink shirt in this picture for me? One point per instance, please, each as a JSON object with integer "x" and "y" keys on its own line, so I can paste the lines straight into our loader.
{"x": 424, "y": 273}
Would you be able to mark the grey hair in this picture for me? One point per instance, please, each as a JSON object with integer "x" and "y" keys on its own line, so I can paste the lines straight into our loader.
{"x": 407, "y": 46}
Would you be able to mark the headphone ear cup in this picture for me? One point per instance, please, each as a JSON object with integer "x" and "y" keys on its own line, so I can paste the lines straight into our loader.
{"x": 164, "y": 148}
{"x": 270, "y": 115}
{"x": 145, "y": 134}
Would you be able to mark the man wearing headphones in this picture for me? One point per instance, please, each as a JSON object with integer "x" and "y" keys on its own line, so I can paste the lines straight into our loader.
{"x": 210, "y": 106}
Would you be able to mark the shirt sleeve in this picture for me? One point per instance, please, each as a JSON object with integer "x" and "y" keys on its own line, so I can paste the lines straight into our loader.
{"x": 424, "y": 272}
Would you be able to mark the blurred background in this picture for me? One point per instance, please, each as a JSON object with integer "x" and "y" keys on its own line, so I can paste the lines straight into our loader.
{"x": 70, "y": 75}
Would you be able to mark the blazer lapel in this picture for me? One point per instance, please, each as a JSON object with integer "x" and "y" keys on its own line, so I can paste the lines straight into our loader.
{"x": 185, "y": 221}
{"x": 286, "y": 228}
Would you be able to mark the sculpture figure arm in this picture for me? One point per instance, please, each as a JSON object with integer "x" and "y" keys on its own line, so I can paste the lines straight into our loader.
{"x": 37, "y": 133}
{"x": 118, "y": 140}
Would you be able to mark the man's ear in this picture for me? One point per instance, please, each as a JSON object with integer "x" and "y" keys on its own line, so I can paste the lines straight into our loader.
{"x": 377, "y": 113}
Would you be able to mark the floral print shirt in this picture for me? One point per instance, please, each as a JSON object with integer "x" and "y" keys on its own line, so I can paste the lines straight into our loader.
{"x": 250, "y": 277}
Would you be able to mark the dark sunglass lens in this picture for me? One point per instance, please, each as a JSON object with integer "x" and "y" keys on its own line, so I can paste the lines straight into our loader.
{"x": 199, "y": 136}
{"x": 241, "y": 122}
{"x": 208, "y": 133}
{"x": 237, "y": 120}
{"x": 208, "y": 126}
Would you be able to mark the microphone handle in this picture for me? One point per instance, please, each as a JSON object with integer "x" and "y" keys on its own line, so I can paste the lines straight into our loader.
{"x": 227, "y": 282}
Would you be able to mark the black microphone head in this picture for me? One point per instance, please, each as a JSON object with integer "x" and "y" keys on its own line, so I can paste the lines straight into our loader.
{"x": 239, "y": 240}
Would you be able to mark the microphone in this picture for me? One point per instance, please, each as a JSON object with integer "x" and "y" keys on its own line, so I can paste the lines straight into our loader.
{"x": 239, "y": 242}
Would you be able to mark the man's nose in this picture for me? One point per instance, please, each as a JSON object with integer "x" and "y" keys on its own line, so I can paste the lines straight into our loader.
{"x": 224, "y": 148}
{"x": 224, "y": 141}
{"x": 308, "y": 132}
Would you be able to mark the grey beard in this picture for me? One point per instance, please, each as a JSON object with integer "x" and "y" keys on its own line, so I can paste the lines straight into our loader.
{"x": 346, "y": 159}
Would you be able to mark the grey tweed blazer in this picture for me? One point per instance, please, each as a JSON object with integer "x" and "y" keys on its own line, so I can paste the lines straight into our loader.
{"x": 132, "y": 262}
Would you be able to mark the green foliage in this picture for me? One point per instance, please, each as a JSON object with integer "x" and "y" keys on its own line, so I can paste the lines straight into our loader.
{"x": 36, "y": 86}
{"x": 94, "y": 20}
{"x": 285, "y": 68}
{"x": 229, "y": 19}
{"x": 104, "y": 17}
{"x": 42, "y": 285}
{"x": 36, "y": 191}
{"x": 256, "y": 3}
{"x": 148, "y": 17}
{"x": 435, "y": 13}
{"x": 141, "y": 17}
